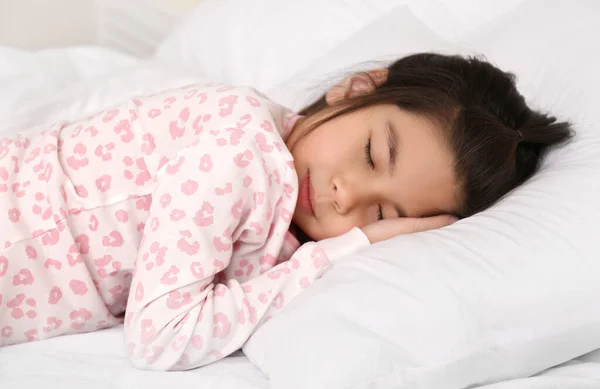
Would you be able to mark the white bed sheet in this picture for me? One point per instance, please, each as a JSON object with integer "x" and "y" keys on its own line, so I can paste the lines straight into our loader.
{"x": 39, "y": 87}
{"x": 99, "y": 361}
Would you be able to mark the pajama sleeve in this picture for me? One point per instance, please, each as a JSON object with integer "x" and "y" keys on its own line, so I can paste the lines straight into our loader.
{"x": 179, "y": 316}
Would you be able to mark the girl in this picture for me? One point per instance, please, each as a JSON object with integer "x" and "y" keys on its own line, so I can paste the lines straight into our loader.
{"x": 182, "y": 214}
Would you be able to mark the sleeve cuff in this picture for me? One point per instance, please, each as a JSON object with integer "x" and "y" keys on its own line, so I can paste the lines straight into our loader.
{"x": 348, "y": 243}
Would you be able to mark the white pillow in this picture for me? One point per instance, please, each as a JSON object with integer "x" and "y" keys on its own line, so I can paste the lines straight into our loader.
{"x": 504, "y": 294}
{"x": 222, "y": 40}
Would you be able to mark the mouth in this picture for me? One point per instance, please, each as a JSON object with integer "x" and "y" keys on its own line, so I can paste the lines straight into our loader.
{"x": 306, "y": 195}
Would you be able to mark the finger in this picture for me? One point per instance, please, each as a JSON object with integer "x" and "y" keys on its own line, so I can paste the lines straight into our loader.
{"x": 429, "y": 223}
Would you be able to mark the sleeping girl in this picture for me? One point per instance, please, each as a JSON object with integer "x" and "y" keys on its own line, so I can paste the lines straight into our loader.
{"x": 195, "y": 215}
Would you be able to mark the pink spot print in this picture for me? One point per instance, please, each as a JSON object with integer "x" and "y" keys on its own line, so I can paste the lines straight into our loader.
{"x": 148, "y": 145}
{"x": 44, "y": 171}
{"x": 31, "y": 252}
{"x": 177, "y": 215}
{"x": 31, "y": 334}
{"x": 78, "y": 287}
{"x": 319, "y": 258}
{"x": 143, "y": 203}
{"x": 18, "y": 188}
{"x": 203, "y": 217}
{"x": 189, "y": 248}
{"x": 154, "y": 112}
{"x": 170, "y": 277}
{"x": 197, "y": 342}
{"x": 93, "y": 224}
{"x": 235, "y": 134}
{"x": 304, "y": 282}
{"x": 177, "y": 127}
{"x": 14, "y": 215}
{"x": 222, "y": 244}
{"x": 139, "y": 292}
{"x": 236, "y": 210}
{"x": 222, "y": 325}
{"x": 177, "y": 299}
{"x": 169, "y": 100}
{"x": 103, "y": 151}
{"x": 3, "y": 266}
{"x": 148, "y": 331}
{"x": 81, "y": 191}
{"x": 173, "y": 168}
{"x": 226, "y": 104}
{"x": 154, "y": 224}
{"x": 189, "y": 94}
{"x": 78, "y": 160}
{"x": 122, "y": 216}
{"x": 92, "y": 130}
{"x": 53, "y": 324}
{"x": 206, "y": 163}
{"x": 267, "y": 126}
{"x": 263, "y": 298}
{"x": 189, "y": 187}
{"x": 278, "y": 301}
{"x": 114, "y": 239}
{"x": 103, "y": 183}
{"x": 252, "y": 101}
{"x": 79, "y": 318}
{"x": 227, "y": 189}
{"x": 242, "y": 159}
{"x": 197, "y": 126}
{"x": 261, "y": 141}
{"x": 55, "y": 295}
{"x": 50, "y": 238}
{"x": 52, "y": 262}
{"x": 83, "y": 241}
{"x": 6, "y": 332}
{"x": 179, "y": 343}
{"x": 24, "y": 277}
{"x": 123, "y": 128}
{"x": 110, "y": 115}
{"x": 286, "y": 215}
{"x": 197, "y": 270}
{"x": 247, "y": 181}
{"x": 165, "y": 200}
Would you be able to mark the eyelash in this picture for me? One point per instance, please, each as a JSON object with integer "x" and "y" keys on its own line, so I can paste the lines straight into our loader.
{"x": 372, "y": 165}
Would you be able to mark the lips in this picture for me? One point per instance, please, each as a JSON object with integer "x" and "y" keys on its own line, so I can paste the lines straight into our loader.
{"x": 305, "y": 193}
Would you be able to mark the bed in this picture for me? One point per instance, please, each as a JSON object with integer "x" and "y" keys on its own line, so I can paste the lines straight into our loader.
{"x": 39, "y": 87}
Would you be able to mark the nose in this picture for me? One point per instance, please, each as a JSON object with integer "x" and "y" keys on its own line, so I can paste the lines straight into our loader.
{"x": 346, "y": 196}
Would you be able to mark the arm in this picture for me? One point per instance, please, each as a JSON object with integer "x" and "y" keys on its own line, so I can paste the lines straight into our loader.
{"x": 178, "y": 316}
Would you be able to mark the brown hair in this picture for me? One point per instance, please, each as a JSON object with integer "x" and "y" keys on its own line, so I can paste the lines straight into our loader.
{"x": 496, "y": 139}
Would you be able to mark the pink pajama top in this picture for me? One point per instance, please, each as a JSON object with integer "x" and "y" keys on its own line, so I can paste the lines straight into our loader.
{"x": 169, "y": 213}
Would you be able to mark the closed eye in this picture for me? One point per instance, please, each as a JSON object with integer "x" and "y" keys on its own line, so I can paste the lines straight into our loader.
{"x": 368, "y": 156}
{"x": 371, "y": 163}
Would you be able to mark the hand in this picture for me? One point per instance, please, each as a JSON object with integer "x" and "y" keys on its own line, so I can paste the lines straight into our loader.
{"x": 388, "y": 228}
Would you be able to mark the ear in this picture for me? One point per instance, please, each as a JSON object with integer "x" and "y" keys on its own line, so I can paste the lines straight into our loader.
{"x": 356, "y": 85}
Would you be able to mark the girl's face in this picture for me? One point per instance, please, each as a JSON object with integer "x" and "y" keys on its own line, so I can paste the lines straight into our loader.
{"x": 378, "y": 162}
